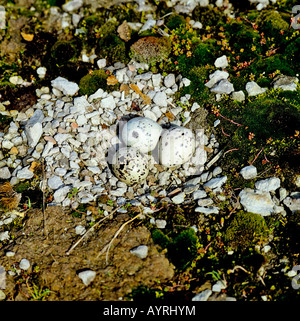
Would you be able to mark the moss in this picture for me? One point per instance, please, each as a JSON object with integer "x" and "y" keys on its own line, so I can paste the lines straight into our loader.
{"x": 292, "y": 54}
{"x": 183, "y": 249}
{"x": 175, "y": 21}
{"x": 150, "y": 49}
{"x": 245, "y": 230}
{"x": 22, "y": 187}
{"x": 160, "y": 238}
{"x": 113, "y": 49}
{"x": 271, "y": 117}
{"x": 91, "y": 82}
{"x": 63, "y": 51}
{"x": 209, "y": 16}
{"x": 197, "y": 89}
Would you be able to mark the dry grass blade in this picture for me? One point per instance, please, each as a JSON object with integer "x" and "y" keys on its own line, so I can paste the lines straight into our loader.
{"x": 108, "y": 246}
{"x": 88, "y": 231}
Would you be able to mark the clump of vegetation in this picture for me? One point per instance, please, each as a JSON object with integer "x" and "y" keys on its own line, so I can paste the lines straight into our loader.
{"x": 63, "y": 51}
{"x": 91, "y": 82}
{"x": 246, "y": 229}
{"x": 182, "y": 248}
{"x": 150, "y": 49}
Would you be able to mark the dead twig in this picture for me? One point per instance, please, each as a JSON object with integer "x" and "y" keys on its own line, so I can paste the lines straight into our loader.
{"x": 44, "y": 202}
{"x": 88, "y": 231}
{"x": 108, "y": 246}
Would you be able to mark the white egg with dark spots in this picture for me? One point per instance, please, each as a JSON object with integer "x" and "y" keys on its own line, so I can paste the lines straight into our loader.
{"x": 141, "y": 133}
{"x": 177, "y": 146}
{"x": 129, "y": 165}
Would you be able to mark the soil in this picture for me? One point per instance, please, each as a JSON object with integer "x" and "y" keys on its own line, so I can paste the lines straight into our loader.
{"x": 58, "y": 271}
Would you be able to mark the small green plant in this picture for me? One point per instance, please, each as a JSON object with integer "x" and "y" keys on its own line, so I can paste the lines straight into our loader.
{"x": 73, "y": 193}
{"x": 38, "y": 293}
{"x": 245, "y": 230}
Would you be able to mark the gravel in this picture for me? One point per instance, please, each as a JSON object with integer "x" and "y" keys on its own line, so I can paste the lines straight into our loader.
{"x": 140, "y": 251}
{"x": 24, "y": 264}
{"x": 87, "y": 276}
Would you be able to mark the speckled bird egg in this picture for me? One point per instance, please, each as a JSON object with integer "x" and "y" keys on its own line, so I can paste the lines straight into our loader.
{"x": 177, "y": 146}
{"x": 141, "y": 133}
{"x": 129, "y": 165}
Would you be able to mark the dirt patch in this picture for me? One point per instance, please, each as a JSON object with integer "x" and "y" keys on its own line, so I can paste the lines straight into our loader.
{"x": 58, "y": 271}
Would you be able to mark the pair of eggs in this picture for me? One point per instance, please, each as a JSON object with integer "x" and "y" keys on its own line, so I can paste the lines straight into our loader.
{"x": 141, "y": 135}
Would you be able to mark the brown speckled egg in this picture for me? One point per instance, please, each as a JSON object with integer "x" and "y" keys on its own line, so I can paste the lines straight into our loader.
{"x": 129, "y": 165}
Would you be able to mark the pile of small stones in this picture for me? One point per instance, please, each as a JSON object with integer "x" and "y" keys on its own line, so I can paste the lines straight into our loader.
{"x": 74, "y": 135}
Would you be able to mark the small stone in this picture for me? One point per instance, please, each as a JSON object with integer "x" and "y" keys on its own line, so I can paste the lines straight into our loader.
{"x": 87, "y": 276}
{"x": 285, "y": 82}
{"x": 108, "y": 103}
{"x": 221, "y": 62}
{"x": 4, "y": 236}
{"x": 61, "y": 194}
{"x": 2, "y": 295}
{"x": 249, "y": 172}
{"x": 80, "y": 230}
{"x": 217, "y": 171}
{"x": 205, "y": 202}
{"x": 207, "y": 210}
{"x": 5, "y": 173}
{"x": 101, "y": 63}
{"x": 41, "y": 71}
{"x": 179, "y": 198}
{"x": 268, "y": 185}
{"x": 169, "y": 80}
{"x": 10, "y": 253}
{"x": 72, "y": 5}
{"x": 253, "y": 89}
{"x": 258, "y": 202}
{"x": 7, "y": 144}
{"x": 25, "y": 173}
{"x": 156, "y": 79}
{"x": 160, "y": 223}
{"x": 160, "y": 99}
{"x": 202, "y": 296}
{"x": 216, "y": 77}
{"x": 199, "y": 194}
{"x": 238, "y": 95}
{"x": 68, "y": 88}
{"x": 16, "y": 80}
{"x": 140, "y": 251}
{"x": 223, "y": 87}
{"x": 55, "y": 182}
{"x": 219, "y": 286}
{"x": 216, "y": 182}
{"x": 24, "y": 264}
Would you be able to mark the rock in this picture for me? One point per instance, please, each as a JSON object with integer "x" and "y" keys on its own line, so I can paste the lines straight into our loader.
{"x": 285, "y": 82}
{"x": 160, "y": 99}
{"x": 223, "y": 87}
{"x": 179, "y": 198}
{"x": 24, "y": 264}
{"x": 5, "y": 173}
{"x": 258, "y": 202}
{"x": 199, "y": 194}
{"x": 169, "y": 80}
{"x": 268, "y": 185}
{"x": 177, "y": 146}
{"x": 25, "y": 173}
{"x": 156, "y": 79}
{"x": 205, "y": 202}
{"x": 216, "y": 182}
{"x": 221, "y": 62}
{"x": 207, "y": 210}
{"x": 293, "y": 203}
{"x": 7, "y": 144}
{"x": 61, "y": 194}
{"x": 160, "y": 223}
{"x": 216, "y": 77}
{"x": 72, "y": 5}
{"x": 197, "y": 25}
{"x": 164, "y": 178}
{"x": 55, "y": 182}
{"x": 101, "y": 63}
{"x": 68, "y": 88}
{"x": 217, "y": 171}
{"x": 80, "y": 230}
{"x": 249, "y": 172}
{"x": 33, "y": 128}
{"x": 16, "y": 80}
{"x": 129, "y": 165}
{"x": 219, "y": 286}
{"x": 141, "y": 133}
{"x": 140, "y": 251}
{"x": 87, "y": 276}
{"x": 202, "y": 296}
{"x": 2, "y": 294}
{"x": 108, "y": 103}
{"x": 4, "y": 236}
{"x": 238, "y": 95}
{"x": 41, "y": 71}
{"x": 253, "y": 89}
